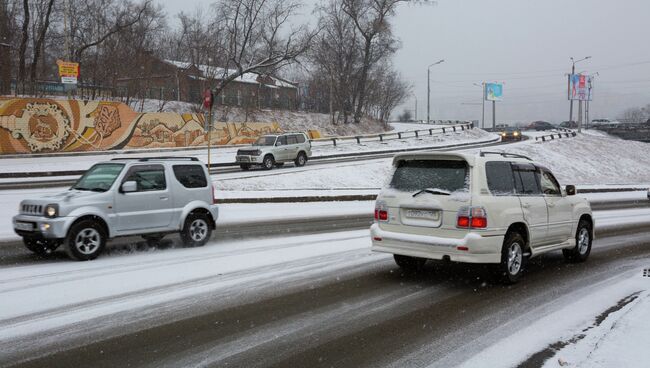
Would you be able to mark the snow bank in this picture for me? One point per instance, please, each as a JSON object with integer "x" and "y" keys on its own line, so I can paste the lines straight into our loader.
{"x": 590, "y": 159}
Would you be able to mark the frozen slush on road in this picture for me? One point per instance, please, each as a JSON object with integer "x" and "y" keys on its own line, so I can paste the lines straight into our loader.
{"x": 150, "y": 197}
{"x": 493, "y": 207}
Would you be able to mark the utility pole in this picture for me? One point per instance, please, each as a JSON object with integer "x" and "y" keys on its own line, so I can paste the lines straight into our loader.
{"x": 482, "y": 85}
{"x": 494, "y": 116}
{"x": 429, "y": 88}
{"x": 416, "y": 109}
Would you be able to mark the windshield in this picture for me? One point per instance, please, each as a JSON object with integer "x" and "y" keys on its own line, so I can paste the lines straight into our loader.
{"x": 439, "y": 175}
{"x": 265, "y": 141}
{"x": 99, "y": 178}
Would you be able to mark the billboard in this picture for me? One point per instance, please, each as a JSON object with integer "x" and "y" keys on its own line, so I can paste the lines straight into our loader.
{"x": 580, "y": 87}
{"x": 68, "y": 71}
{"x": 493, "y": 91}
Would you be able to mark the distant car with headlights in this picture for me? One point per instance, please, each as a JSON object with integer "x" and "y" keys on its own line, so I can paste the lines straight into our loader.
{"x": 493, "y": 208}
{"x": 541, "y": 125}
{"x": 150, "y": 197}
{"x": 275, "y": 150}
{"x": 509, "y": 133}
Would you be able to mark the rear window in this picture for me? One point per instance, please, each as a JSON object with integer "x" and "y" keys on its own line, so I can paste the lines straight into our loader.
{"x": 500, "y": 178}
{"x": 300, "y": 138}
{"x": 191, "y": 176}
{"x": 414, "y": 175}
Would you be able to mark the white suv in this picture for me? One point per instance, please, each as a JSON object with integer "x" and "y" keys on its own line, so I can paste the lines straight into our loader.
{"x": 275, "y": 150}
{"x": 150, "y": 197}
{"x": 489, "y": 208}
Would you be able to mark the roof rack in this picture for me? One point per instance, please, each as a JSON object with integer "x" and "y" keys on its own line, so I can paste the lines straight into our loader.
{"x": 144, "y": 159}
{"x": 504, "y": 154}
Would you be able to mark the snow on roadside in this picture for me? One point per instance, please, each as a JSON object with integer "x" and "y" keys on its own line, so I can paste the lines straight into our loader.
{"x": 590, "y": 159}
{"x": 563, "y": 320}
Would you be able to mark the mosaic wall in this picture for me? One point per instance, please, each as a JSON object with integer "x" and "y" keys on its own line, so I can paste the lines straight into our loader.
{"x": 38, "y": 125}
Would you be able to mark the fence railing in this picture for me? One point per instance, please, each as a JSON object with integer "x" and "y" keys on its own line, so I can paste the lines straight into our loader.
{"x": 381, "y": 137}
{"x": 564, "y": 133}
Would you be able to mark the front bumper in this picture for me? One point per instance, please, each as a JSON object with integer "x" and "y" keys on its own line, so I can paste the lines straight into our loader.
{"x": 480, "y": 248}
{"x": 41, "y": 227}
{"x": 214, "y": 210}
{"x": 245, "y": 159}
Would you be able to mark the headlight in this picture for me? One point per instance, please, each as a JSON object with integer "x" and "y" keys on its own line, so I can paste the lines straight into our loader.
{"x": 503, "y": 134}
{"x": 515, "y": 134}
{"x": 51, "y": 210}
{"x": 257, "y": 152}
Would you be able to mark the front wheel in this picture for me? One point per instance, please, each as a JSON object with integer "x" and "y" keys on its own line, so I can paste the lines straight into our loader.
{"x": 581, "y": 251}
{"x": 197, "y": 230}
{"x": 41, "y": 247}
{"x": 85, "y": 241}
{"x": 268, "y": 162}
{"x": 410, "y": 264}
{"x": 512, "y": 258}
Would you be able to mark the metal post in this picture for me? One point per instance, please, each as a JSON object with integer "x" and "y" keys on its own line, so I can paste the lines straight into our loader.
{"x": 579, "y": 116}
{"x": 483, "y": 113}
{"x": 209, "y": 136}
{"x": 573, "y": 70}
{"x": 494, "y": 116}
{"x": 416, "y": 108}
{"x": 428, "y": 95}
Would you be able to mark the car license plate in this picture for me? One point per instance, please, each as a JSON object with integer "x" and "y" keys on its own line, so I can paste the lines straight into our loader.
{"x": 423, "y": 214}
{"x": 24, "y": 226}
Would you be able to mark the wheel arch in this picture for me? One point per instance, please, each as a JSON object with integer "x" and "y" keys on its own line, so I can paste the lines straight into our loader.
{"x": 587, "y": 217}
{"x": 92, "y": 217}
{"x": 192, "y": 208}
{"x": 522, "y": 229}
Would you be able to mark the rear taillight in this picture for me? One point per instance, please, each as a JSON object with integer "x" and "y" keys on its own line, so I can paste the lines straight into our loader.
{"x": 471, "y": 218}
{"x": 381, "y": 211}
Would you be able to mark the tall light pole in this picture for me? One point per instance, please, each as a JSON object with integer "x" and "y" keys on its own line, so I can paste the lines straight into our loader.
{"x": 573, "y": 70}
{"x": 429, "y": 88}
{"x": 482, "y": 86}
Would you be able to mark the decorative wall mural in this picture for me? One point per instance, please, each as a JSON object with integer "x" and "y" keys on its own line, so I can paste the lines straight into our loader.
{"x": 37, "y": 125}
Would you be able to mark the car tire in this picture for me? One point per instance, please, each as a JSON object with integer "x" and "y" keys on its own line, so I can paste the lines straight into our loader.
{"x": 410, "y": 264}
{"x": 512, "y": 258}
{"x": 85, "y": 241}
{"x": 301, "y": 160}
{"x": 584, "y": 237}
{"x": 196, "y": 230}
{"x": 268, "y": 162}
{"x": 245, "y": 167}
{"x": 41, "y": 247}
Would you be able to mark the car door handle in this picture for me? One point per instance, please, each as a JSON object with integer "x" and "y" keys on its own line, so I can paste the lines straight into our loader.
{"x": 164, "y": 198}
{"x": 525, "y": 205}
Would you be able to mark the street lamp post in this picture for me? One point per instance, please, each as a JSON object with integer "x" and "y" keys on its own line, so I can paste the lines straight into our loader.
{"x": 573, "y": 70}
{"x": 482, "y": 86}
{"x": 429, "y": 88}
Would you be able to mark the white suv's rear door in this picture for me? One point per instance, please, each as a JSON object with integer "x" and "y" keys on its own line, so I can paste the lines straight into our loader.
{"x": 533, "y": 205}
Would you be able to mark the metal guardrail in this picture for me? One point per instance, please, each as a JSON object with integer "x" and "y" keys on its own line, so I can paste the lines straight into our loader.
{"x": 565, "y": 133}
{"x": 381, "y": 137}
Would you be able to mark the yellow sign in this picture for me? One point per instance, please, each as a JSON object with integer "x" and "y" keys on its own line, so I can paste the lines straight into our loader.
{"x": 68, "y": 69}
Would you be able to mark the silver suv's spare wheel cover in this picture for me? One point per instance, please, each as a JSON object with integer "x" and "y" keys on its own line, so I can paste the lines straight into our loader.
{"x": 88, "y": 240}
{"x": 514, "y": 258}
{"x": 198, "y": 230}
{"x": 583, "y": 240}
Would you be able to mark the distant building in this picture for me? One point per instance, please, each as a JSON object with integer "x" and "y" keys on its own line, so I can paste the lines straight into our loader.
{"x": 183, "y": 81}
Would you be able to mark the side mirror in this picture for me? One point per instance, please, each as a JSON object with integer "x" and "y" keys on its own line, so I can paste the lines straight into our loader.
{"x": 129, "y": 187}
{"x": 570, "y": 190}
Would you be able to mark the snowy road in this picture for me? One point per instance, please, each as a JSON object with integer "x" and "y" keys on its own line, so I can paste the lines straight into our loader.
{"x": 301, "y": 301}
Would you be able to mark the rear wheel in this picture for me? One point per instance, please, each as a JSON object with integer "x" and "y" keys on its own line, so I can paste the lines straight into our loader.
{"x": 581, "y": 251}
{"x": 85, "y": 241}
{"x": 410, "y": 264}
{"x": 512, "y": 258}
{"x": 301, "y": 160}
{"x": 197, "y": 230}
{"x": 42, "y": 247}
{"x": 268, "y": 162}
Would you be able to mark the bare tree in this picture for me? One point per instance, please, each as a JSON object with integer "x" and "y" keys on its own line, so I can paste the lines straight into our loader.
{"x": 23, "y": 46}
{"x": 8, "y": 10}
{"x": 42, "y": 26}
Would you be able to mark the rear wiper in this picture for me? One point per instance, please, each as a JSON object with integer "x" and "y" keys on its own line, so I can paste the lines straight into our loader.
{"x": 431, "y": 191}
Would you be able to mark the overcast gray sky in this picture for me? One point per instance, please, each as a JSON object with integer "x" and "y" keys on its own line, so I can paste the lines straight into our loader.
{"x": 526, "y": 44}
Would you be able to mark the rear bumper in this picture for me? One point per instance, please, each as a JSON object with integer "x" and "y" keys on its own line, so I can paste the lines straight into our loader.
{"x": 480, "y": 249}
{"x": 214, "y": 210}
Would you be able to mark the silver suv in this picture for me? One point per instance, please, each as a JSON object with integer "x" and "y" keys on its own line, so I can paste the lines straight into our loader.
{"x": 275, "y": 150}
{"x": 494, "y": 208}
{"x": 150, "y": 197}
